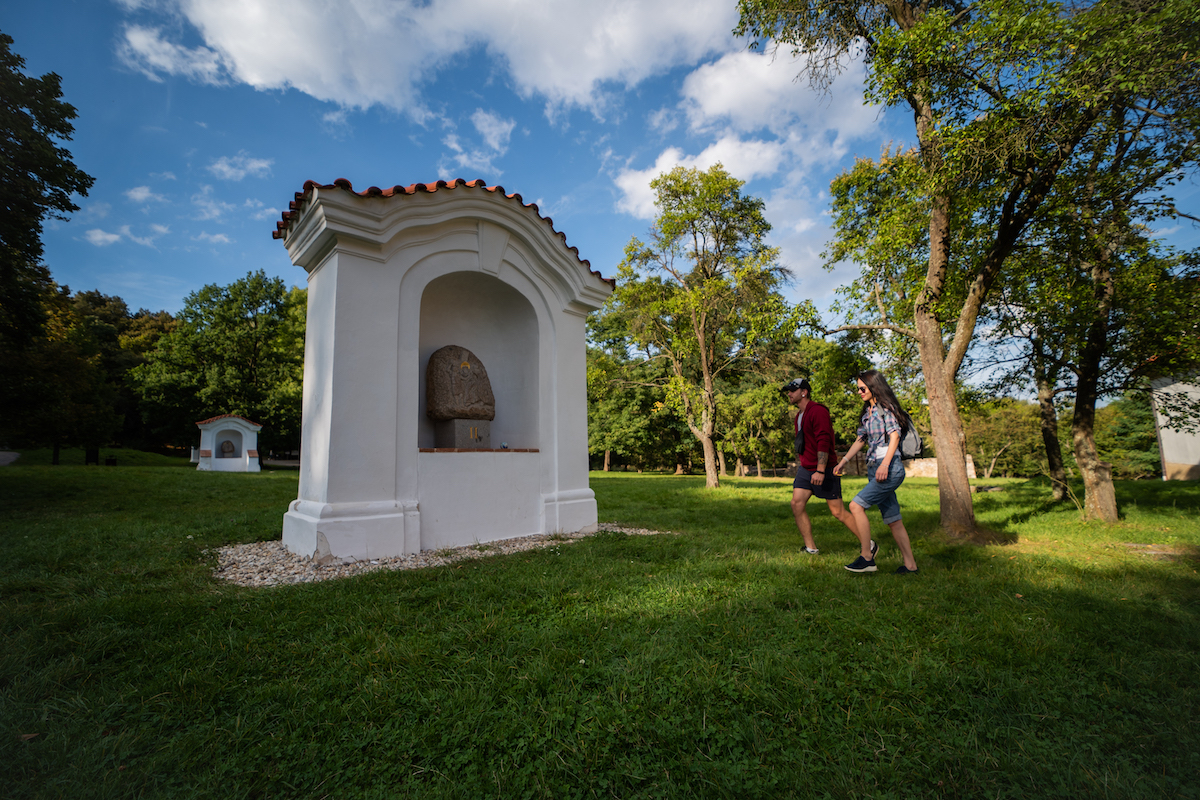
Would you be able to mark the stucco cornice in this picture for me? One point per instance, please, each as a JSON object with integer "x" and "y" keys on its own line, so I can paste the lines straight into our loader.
{"x": 328, "y": 216}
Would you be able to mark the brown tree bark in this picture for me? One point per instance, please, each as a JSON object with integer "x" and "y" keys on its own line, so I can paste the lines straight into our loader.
{"x": 1099, "y": 495}
{"x": 954, "y": 488}
{"x": 1045, "y": 378}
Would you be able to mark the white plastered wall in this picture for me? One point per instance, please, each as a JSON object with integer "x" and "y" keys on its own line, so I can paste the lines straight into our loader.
{"x": 241, "y": 433}
{"x": 390, "y": 281}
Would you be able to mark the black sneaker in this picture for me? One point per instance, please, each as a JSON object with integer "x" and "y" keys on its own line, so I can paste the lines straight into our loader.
{"x": 903, "y": 570}
{"x": 874, "y": 549}
{"x": 860, "y": 564}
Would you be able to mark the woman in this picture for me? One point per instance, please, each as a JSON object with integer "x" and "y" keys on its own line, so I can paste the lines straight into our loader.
{"x": 880, "y": 433}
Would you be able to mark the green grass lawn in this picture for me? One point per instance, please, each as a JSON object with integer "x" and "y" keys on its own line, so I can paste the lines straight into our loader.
{"x": 718, "y": 662}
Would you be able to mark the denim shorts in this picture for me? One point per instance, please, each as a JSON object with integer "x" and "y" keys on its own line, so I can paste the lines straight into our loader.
{"x": 883, "y": 494}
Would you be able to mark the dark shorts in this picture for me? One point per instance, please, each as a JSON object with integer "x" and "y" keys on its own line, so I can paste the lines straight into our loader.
{"x": 830, "y": 488}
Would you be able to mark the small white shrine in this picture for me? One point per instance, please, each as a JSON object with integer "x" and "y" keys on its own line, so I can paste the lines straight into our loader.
{"x": 1178, "y": 449}
{"x": 228, "y": 443}
{"x": 395, "y": 275}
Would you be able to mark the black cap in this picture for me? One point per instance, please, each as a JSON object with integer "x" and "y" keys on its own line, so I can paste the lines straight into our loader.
{"x": 794, "y": 384}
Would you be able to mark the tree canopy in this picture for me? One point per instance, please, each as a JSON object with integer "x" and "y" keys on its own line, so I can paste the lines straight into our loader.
{"x": 37, "y": 180}
{"x": 702, "y": 295}
{"x": 238, "y": 349}
{"x": 1006, "y": 95}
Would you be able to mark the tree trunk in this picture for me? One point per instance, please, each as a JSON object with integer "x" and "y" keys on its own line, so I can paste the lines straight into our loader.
{"x": 1049, "y": 416}
{"x": 954, "y": 488}
{"x": 679, "y": 466}
{"x": 607, "y": 459}
{"x": 758, "y": 464}
{"x": 992, "y": 466}
{"x": 739, "y": 470}
{"x": 1099, "y": 496}
{"x": 721, "y": 460}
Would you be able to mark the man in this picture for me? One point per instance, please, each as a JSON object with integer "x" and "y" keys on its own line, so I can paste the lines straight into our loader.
{"x": 815, "y": 457}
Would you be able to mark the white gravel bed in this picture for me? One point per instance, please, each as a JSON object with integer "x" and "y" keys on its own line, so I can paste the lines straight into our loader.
{"x": 271, "y": 564}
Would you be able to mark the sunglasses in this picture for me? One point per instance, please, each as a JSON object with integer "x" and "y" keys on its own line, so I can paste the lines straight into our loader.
{"x": 862, "y": 390}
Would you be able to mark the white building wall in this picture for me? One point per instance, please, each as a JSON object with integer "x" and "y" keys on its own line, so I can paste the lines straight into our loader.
{"x": 391, "y": 280}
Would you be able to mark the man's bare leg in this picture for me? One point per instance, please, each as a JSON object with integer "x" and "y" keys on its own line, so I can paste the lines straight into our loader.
{"x": 799, "y": 502}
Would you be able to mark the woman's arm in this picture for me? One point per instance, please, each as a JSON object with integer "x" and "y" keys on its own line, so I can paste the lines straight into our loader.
{"x": 840, "y": 467}
{"x": 893, "y": 442}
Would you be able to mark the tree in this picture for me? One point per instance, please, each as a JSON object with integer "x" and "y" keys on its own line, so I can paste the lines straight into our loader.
{"x": 238, "y": 349}
{"x": 37, "y": 179}
{"x": 1127, "y": 437}
{"x": 62, "y": 395}
{"x": 1002, "y": 93}
{"x": 628, "y": 415}
{"x": 1003, "y": 436}
{"x": 703, "y": 294}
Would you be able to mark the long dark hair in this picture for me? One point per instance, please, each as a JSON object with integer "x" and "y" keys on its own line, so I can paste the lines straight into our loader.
{"x": 884, "y": 396}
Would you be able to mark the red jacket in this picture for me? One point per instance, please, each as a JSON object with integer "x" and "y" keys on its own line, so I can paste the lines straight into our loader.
{"x": 818, "y": 435}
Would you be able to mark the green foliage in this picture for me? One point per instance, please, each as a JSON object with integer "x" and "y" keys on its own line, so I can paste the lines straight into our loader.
{"x": 716, "y": 662}
{"x": 703, "y": 294}
{"x": 238, "y": 349}
{"x": 629, "y": 416}
{"x": 37, "y": 179}
{"x": 1127, "y": 438}
{"x": 58, "y": 391}
{"x": 1004, "y": 437}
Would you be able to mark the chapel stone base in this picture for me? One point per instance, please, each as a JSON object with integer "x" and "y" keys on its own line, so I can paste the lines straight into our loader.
{"x": 463, "y": 434}
{"x": 357, "y": 531}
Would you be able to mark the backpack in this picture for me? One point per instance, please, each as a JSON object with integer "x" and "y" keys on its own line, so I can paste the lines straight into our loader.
{"x": 911, "y": 445}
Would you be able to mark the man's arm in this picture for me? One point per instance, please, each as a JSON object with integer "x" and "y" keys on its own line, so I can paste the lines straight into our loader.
{"x": 823, "y": 429}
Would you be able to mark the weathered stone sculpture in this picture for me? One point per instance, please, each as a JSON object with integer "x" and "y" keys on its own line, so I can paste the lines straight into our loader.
{"x": 457, "y": 386}
{"x": 459, "y": 399}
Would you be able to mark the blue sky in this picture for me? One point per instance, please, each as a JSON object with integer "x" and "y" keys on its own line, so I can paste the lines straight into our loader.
{"x": 200, "y": 119}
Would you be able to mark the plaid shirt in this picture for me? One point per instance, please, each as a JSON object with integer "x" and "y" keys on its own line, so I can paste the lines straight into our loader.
{"x": 877, "y": 425}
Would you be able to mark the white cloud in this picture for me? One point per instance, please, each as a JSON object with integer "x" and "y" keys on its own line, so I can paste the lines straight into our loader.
{"x": 142, "y": 194}
{"x": 145, "y": 50}
{"x": 259, "y": 210}
{"x": 750, "y": 92}
{"x": 565, "y": 51}
{"x": 208, "y": 206}
{"x": 101, "y": 238}
{"x": 215, "y": 238}
{"x": 743, "y": 159}
{"x": 494, "y": 130}
{"x": 95, "y": 211}
{"x": 163, "y": 176}
{"x": 234, "y": 168}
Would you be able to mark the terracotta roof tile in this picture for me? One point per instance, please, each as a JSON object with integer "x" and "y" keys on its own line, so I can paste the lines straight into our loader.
{"x": 228, "y": 416}
{"x": 302, "y": 197}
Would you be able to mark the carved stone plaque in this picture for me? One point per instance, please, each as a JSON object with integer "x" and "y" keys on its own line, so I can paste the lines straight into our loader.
{"x": 457, "y": 386}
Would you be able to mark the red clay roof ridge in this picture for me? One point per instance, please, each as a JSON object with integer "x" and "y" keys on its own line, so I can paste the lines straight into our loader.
{"x": 296, "y": 206}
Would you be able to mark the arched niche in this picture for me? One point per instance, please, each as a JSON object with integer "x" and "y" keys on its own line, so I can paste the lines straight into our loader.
{"x": 495, "y": 322}
{"x": 228, "y": 435}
